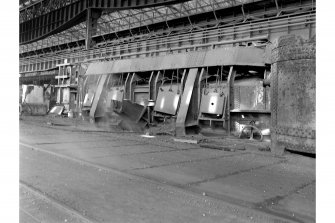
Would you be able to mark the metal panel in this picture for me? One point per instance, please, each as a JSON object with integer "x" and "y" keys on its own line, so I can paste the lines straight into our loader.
{"x": 117, "y": 93}
{"x": 195, "y": 58}
{"x": 222, "y": 56}
{"x": 252, "y": 57}
{"x": 218, "y": 57}
{"x": 249, "y": 97}
{"x": 173, "y": 61}
{"x": 141, "y": 94}
{"x": 141, "y": 98}
{"x": 99, "y": 68}
{"x": 122, "y": 66}
{"x": 212, "y": 102}
{"x": 133, "y": 111}
{"x": 235, "y": 56}
{"x": 167, "y": 101}
{"x": 88, "y": 99}
{"x": 141, "y": 64}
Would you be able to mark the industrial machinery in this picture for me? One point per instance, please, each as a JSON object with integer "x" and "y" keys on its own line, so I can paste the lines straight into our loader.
{"x": 207, "y": 69}
{"x": 213, "y": 100}
{"x": 67, "y": 84}
{"x": 226, "y": 93}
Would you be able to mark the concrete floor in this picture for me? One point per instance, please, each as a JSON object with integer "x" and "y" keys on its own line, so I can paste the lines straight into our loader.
{"x": 77, "y": 173}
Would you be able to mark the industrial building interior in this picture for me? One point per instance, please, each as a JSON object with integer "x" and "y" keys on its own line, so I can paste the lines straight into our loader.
{"x": 170, "y": 59}
{"x": 226, "y": 84}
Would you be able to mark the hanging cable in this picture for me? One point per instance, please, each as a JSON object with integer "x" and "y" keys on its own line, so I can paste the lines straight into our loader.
{"x": 205, "y": 89}
{"x": 171, "y": 81}
{"x": 119, "y": 81}
{"x": 221, "y": 83}
{"x": 178, "y": 89}
{"x": 221, "y": 75}
{"x": 163, "y": 80}
{"x": 216, "y": 81}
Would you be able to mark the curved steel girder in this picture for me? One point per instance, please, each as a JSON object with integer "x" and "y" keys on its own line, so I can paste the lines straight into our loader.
{"x": 72, "y": 14}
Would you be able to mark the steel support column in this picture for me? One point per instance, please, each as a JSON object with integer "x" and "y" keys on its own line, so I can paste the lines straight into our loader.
{"x": 127, "y": 86}
{"x": 97, "y": 96}
{"x": 230, "y": 96}
{"x": 91, "y": 26}
{"x": 158, "y": 78}
{"x": 185, "y": 102}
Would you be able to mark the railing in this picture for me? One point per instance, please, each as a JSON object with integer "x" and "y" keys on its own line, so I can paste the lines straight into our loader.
{"x": 128, "y": 19}
{"x": 51, "y": 16}
{"x": 181, "y": 42}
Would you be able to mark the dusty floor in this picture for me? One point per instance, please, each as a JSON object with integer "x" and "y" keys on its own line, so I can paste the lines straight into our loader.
{"x": 75, "y": 172}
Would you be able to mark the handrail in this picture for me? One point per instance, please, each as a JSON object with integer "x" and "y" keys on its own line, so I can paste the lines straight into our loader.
{"x": 193, "y": 39}
{"x": 150, "y": 43}
{"x": 117, "y": 51}
{"x": 179, "y": 39}
{"x": 109, "y": 49}
{"x": 273, "y": 11}
{"x": 188, "y": 47}
{"x": 71, "y": 13}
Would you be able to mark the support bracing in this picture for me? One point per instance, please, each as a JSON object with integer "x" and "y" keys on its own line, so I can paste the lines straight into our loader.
{"x": 230, "y": 104}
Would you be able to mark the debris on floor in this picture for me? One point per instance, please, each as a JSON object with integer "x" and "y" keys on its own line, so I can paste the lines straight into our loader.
{"x": 57, "y": 110}
{"x": 230, "y": 148}
{"x": 147, "y": 135}
{"x": 264, "y": 149}
{"x": 192, "y": 141}
{"x": 165, "y": 129}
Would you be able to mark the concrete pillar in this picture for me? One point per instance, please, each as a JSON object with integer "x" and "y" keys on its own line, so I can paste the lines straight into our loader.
{"x": 293, "y": 95}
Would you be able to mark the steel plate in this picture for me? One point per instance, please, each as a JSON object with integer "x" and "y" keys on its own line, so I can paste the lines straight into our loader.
{"x": 212, "y": 103}
{"x": 167, "y": 101}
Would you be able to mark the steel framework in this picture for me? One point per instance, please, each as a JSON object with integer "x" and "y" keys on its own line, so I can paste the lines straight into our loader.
{"x": 182, "y": 42}
{"x": 134, "y": 31}
{"x": 48, "y": 17}
{"x": 48, "y": 30}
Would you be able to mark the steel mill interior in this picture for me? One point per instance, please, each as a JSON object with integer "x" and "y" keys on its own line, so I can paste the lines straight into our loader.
{"x": 167, "y": 111}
